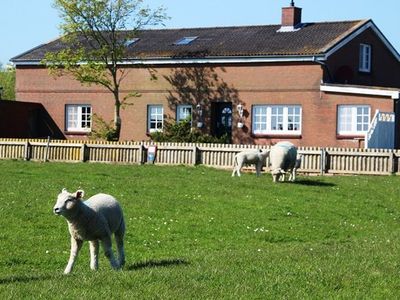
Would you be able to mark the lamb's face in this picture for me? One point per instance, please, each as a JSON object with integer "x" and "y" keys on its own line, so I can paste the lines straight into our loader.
{"x": 66, "y": 202}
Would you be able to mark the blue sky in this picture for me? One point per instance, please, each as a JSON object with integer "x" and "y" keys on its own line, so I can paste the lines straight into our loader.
{"x": 25, "y": 24}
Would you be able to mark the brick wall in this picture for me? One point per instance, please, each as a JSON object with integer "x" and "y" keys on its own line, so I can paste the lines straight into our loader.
{"x": 284, "y": 83}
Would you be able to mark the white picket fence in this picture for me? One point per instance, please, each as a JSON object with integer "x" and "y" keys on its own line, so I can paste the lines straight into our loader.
{"x": 315, "y": 160}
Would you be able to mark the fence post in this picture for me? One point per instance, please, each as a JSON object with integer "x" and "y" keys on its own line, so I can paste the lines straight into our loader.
{"x": 83, "y": 152}
{"x": 141, "y": 150}
{"x": 194, "y": 156}
{"x": 323, "y": 161}
{"x": 46, "y": 152}
{"x": 27, "y": 151}
{"x": 391, "y": 162}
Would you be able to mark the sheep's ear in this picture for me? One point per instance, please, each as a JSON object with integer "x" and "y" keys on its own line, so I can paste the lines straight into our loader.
{"x": 64, "y": 190}
{"x": 79, "y": 194}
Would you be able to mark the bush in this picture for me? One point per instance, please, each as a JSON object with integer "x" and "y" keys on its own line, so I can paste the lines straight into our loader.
{"x": 182, "y": 132}
{"x": 102, "y": 130}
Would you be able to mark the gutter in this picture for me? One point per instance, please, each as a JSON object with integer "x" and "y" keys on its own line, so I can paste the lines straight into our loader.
{"x": 322, "y": 62}
{"x": 206, "y": 60}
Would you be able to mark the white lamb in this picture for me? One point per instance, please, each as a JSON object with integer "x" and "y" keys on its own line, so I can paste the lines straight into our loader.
{"x": 283, "y": 158}
{"x": 93, "y": 220}
{"x": 247, "y": 157}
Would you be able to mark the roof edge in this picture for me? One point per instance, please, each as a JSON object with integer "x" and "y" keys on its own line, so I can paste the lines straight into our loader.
{"x": 34, "y": 48}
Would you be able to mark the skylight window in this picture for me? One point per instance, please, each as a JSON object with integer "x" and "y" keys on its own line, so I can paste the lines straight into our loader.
{"x": 185, "y": 40}
{"x": 130, "y": 42}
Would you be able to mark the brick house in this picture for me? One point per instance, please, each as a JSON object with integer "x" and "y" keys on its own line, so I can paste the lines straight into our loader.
{"x": 315, "y": 84}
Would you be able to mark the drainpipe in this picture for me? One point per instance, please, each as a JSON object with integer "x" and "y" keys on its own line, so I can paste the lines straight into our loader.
{"x": 325, "y": 67}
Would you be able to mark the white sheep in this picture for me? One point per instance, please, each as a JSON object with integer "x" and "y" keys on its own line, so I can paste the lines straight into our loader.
{"x": 93, "y": 220}
{"x": 247, "y": 157}
{"x": 292, "y": 172}
{"x": 283, "y": 158}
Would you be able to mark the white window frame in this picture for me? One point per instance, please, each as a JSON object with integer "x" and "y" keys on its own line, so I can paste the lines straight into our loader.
{"x": 155, "y": 115}
{"x": 365, "y": 58}
{"x": 76, "y": 116}
{"x": 263, "y": 117}
{"x": 350, "y": 119}
{"x": 181, "y": 114}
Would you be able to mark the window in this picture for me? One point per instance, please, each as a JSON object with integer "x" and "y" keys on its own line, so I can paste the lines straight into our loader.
{"x": 277, "y": 119}
{"x": 353, "y": 119}
{"x": 185, "y": 40}
{"x": 183, "y": 112}
{"x": 131, "y": 41}
{"x": 365, "y": 58}
{"x": 155, "y": 118}
{"x": 78, "y": 118}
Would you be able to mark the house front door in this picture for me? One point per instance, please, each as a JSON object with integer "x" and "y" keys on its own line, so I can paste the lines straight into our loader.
{"x": 222, "y": 119}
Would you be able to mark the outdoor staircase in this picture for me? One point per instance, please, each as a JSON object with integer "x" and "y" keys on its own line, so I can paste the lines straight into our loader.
{"x": 380, "y": 134}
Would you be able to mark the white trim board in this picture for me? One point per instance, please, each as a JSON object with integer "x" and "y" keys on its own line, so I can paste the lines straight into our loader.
{"x": 361, "y": 91}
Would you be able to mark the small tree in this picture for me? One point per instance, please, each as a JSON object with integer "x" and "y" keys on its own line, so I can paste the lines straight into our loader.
{"x": 95, "y": 33}
{"x": 7, "y": 82}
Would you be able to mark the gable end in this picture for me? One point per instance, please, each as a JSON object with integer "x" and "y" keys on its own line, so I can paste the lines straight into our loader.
{"x": 368, "y": 25}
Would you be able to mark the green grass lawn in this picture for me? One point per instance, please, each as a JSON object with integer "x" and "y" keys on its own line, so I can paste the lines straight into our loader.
{"x": 198, "y": 233}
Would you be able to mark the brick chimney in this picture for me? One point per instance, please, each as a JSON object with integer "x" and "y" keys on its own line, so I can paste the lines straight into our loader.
{"x": 291, "y": 16}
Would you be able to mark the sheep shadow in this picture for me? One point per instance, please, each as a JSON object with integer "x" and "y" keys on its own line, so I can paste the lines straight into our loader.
{"x": 312, "y": 183}
{"x": 156, "y": 264}
{"x": 24, "y": 278}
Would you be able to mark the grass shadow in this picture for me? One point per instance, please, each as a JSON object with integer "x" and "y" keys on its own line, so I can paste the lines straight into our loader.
{"x": 24, "y": 278}
{"x": 156, "y": 264}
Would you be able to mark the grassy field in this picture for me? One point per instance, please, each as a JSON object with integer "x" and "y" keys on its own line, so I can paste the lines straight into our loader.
{"x": 198, "y": 233}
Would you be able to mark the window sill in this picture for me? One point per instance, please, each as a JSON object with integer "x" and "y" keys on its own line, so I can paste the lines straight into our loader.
{"x": 350, "y": 137}
{"x": 271, "y": 135}
{"x": 77, "y": 132}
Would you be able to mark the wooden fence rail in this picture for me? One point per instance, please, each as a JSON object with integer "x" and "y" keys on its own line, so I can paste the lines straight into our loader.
{"x": 315, "y": 160}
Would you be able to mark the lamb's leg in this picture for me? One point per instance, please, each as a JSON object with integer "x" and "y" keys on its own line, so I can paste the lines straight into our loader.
{"x": 282, "y": 177}
{"x": 258, "y": 169}
{"x": 94, "y": 254}
{"x": 119, "y": 239}
{"x": 239, "y": 167}
{"x": 293, "y": 177}
{"x": 234, "y": 171}
{"x": 106, "y": 243}
{"x": 275, "y": 177}
{"x": 76, "y": 245}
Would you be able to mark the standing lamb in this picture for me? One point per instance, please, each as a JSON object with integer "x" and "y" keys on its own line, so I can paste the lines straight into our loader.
{"x": 246, "y": 157}
{"x": 283, "y": 158}
{"x": 93, "y": 220}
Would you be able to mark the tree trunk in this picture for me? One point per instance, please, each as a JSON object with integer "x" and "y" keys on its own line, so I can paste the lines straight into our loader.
{"x": 117, "y": 121}
{"x": 117, "y": 116}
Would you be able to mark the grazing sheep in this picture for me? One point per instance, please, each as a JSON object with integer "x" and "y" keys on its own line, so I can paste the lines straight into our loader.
{"x": 292, "y": 172}
{"x": 93, "y": 220}
{"x": 283, "y": 158}
{"x": 246, "y": 157}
